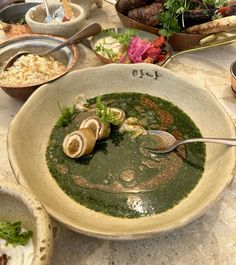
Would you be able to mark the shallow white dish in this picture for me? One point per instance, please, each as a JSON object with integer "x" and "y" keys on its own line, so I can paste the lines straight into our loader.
{"x": 19, "y": 204}
{"x": 27, "y": 141}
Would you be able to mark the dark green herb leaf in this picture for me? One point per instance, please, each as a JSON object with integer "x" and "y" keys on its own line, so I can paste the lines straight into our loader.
{"x": 169, "y": 17}
{"x": 21, "y": 20}
{"x": 174, "y": 9}
{"x": 12, "y": 233}
{"x": 215, "y": 3}
{"x": 104, "y": 113}
{"x": 66, "y": 117}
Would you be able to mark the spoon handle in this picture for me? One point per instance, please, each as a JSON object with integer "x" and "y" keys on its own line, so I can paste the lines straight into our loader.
{"x": 225, "y": 141}
{"x": 231, "y": 142}
{"x": 47, "y": 10}
{"x": 86, "y": 32}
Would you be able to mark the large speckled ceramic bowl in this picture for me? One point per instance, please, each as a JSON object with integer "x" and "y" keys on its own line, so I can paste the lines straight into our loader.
{"x": 18, "y": 204}
{"x": 29, "y": 134}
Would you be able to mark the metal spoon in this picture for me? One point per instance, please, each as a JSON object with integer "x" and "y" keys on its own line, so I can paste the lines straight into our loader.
{"x": 88, "y": 31}
{"x": 48, "y": 17}
{"x": 169, "y": 142}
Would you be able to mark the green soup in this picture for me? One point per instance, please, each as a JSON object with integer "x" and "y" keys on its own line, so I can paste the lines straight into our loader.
{"x": 118, "y": 178}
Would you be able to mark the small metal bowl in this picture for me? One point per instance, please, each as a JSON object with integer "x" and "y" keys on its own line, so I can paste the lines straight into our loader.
{"x": 36, "y": 43}
{"x": 233, "y": 76}
{"x": 11, "y": 13}
{"x": 142, "y": 34}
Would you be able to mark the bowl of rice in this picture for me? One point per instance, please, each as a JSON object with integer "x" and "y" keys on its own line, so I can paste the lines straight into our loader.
{"x": 30, "y": 71}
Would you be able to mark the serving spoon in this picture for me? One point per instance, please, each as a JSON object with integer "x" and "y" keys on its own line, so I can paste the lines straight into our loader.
{"x": 48, "y": 17}
{"x": 86, "y": 32}
{"x": 169, "y": 142}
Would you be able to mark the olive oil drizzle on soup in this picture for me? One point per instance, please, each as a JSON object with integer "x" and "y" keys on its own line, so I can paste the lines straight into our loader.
{"x": 118, "y": 179}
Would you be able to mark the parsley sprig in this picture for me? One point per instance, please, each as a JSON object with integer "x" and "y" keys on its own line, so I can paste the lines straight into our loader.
{"x": 215, "y": 3}
{"x": 21, "y": 20}
{"x": 175, "y": 9}
{"x": 66, "y": 116}
{"x": 169, "y": 18}
{"x": 12, "y": 233}
{"x": 104, "y": 113}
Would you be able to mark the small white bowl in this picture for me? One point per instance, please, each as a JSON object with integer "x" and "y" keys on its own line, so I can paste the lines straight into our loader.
{"x": 18, "y": 204}
{"x": 36, "y": 15}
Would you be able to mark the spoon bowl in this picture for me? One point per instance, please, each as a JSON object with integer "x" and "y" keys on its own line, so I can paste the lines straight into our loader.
{"x": 169, "y": 143}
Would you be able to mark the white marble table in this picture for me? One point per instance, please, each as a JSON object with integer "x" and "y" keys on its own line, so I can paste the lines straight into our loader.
{"x": 210, "y": 240}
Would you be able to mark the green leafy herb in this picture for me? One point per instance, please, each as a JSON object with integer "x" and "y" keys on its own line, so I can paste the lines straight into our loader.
{"x": 21, "y": 20}
{"x": 66, "y": 117}
{"x": 174, "y": 10}
{"x": 215, "y": 3}
{"x": 105, "y": 113}
{"x": 12, "y": 233}
{"x": 105, "y": 51}
{"x": 169, "y": 18}
{"x": 123, "y": 37}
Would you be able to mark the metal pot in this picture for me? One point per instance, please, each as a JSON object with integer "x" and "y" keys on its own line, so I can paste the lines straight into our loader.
{"x": 12, "y": 10}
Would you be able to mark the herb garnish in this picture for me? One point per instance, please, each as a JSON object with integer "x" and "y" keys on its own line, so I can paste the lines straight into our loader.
{"x": 104, "y": 113}
{"x": 215, "y": 3}
{"x": 173, "y": 9}
{"x": 105, "y": 51}
{"x": 66, "y": 116}
{"x": 169, "y": 17}
{"x": 124, "y": 37}
{"x": 21, "y": 20}
{"x": 12, "y": 233}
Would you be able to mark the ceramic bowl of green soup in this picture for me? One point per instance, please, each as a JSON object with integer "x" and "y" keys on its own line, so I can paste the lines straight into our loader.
{"x": 86, "y": 146}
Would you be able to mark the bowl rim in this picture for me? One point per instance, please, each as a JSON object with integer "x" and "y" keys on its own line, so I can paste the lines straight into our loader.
{"x": 180, "y": 221}
{"x": 79, "y": 18}
{"x": 232, "y": 70}
{"x": 41, "y": 218}
{"x": 72, "y": 47}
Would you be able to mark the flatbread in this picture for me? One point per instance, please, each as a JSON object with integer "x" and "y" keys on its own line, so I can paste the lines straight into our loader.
{"x": 218, "y": 25}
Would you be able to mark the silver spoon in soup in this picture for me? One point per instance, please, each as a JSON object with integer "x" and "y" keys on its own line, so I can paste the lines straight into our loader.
{"x": 167, "y": 142}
